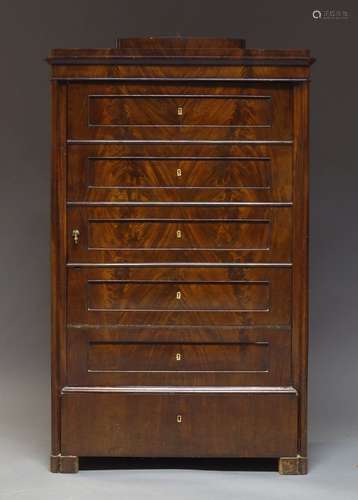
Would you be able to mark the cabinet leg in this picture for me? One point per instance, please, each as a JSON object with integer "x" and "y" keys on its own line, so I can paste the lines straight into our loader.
{"x": 292, "y": 465}
{"x": 63, "y": 463}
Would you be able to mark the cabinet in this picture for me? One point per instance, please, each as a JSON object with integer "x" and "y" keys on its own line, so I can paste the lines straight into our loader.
{"x": 179, "y": 251}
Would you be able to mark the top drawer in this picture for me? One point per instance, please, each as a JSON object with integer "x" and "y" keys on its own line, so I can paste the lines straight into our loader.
{"x": 133, "y": 111}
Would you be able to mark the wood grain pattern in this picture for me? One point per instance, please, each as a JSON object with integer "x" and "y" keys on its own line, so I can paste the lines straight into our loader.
{"x": 138, "y": 110}
{"x": 244, "y": 425}
{"x": 177, "y": 49}
{"x": 180, "y": 234}
{"x": 217, "y": 296}
{"x": 58, "y": 259}
{"x": 208, "y": 173}
{"x": 180, "y": 251}
{"x": 130, "y": 111}
{"x": 149, "y": 347}
{"x": 130, "y": 173}
{"x": 300, "y": 288}
{"x": 167, "y": 70}
{"x": 141, "y": 357}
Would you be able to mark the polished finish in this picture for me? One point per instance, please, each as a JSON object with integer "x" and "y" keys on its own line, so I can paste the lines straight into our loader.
{"x": 177, "y": 50}
{"x": 179, "y": 251}
{"x": 209, "y": 356}
{"x": 136, "y": 424}
{"x": 179, "y": 296}
{"x": 195, "y": 173}
{"x": 137, "y": 111}
{"x": 182, "y": 234}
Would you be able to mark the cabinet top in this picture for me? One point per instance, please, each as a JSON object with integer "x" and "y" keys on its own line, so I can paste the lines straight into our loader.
{"x": 182, "y": 50}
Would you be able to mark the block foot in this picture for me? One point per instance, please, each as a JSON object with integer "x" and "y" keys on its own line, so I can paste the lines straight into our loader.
{"x": 64, "y": 463}
{"x": 292, "y": 465}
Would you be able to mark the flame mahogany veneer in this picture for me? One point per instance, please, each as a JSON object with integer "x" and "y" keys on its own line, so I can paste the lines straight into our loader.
{"x": 179, "y": 251}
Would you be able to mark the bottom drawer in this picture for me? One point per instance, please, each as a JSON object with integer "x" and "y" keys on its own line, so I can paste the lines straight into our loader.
{"x": 224, "y": 423}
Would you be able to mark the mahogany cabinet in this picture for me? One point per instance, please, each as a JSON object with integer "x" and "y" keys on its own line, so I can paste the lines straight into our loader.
{"x": 179, "y": 251}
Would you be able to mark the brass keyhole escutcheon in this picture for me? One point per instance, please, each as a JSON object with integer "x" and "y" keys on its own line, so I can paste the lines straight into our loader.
{"x": 178, "y": 172}
{"x": 178, "y": 234}
{"x": 178, "y": 295}
{"x": 179, "y": 419}
{"x": 178, "y": 356}
{"x": 76, "y": 236}
{"x": 180, "y": 111}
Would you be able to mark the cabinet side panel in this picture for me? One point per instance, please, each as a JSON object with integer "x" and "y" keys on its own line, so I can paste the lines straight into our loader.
{"x": 300, "y": 257}
{"x": 58, "y": 275}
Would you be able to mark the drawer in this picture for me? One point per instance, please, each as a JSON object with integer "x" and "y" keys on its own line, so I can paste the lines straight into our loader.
{"x": 198, "y": 173}
{"x": 174, "y": 233}
{"x": 133, "y": 111}
{"x": 141, "y": 357}
{"x": 178, "y": 110}
{"x": 202, "y": 424}
{"x": 182, "y": 295}
{"x": 178, "y": 356}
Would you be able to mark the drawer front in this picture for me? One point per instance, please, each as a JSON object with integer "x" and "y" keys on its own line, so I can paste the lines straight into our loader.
{"x": 178, "y": 356}
{"x": 182, "y": 173}
{"x": 200, "y": 297}
{"x": 140, "y": 357}
{"x": 174, "y": 233}
{"x": 179, "y": 111}
{"x": 174, "y": 424}
{"x": 179, "y": 296}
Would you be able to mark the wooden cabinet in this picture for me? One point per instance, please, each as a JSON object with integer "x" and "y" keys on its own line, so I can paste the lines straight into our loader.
{"x": 179, "y": 251}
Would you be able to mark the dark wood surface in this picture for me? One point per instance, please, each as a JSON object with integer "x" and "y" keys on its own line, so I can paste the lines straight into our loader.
{"x": 260, "y": 173}
{"x": 221, "y": 71}
{"x": 134, "y": 111}
{"x": 300, "y": 245}
{"x": 208, "y": 296}
{"x": 141, "y": 357}
{"x": 180, "y": 234}
{"x": 58, "y": 259}
{"x": 178, "y": 49}
{"x": 214, "y": 424}
{"x": 179, "y": 251}
{"x": 133, "y": 356}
